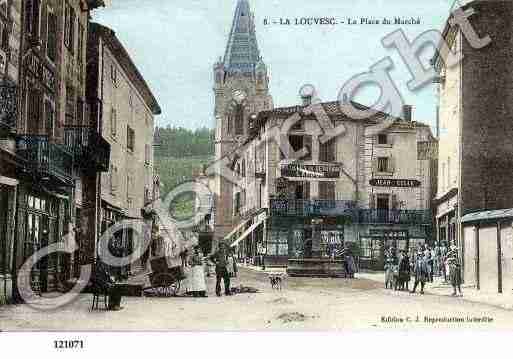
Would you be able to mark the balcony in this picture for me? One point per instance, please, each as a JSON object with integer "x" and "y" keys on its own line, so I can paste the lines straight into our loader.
{"x": 91, "y": 151}
{"x": 385, "y": 216}
{"x": 304, "y": 208}
{"x": 46, "y": 159}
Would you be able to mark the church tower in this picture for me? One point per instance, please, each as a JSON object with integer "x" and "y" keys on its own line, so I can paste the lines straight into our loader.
{"x": 241, "y": 89}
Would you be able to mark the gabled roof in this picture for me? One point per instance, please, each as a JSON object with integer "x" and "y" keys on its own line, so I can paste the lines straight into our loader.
{"x": 242, "y": 52}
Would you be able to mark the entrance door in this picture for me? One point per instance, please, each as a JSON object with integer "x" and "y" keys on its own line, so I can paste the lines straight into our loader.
{"x": 507, "y": 259}
{"x": 488, "y": 269}
{"x": 382, "y": 205}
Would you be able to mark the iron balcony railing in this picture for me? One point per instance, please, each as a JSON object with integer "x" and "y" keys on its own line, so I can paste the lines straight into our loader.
{"x": 334, "y": 208}
{"x": 285, "y": 207}
{"x": 88, "y": 147}
{"x": 394, "y": 216}
{"x": 45, "y": 158}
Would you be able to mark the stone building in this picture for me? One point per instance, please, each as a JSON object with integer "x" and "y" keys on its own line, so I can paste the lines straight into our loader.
{"x": 47, "y": 49}
{"x": 475, "y": 110}
{"x": 127, "y": 123}
{"x": 241, "y": 89}
{"x": 371, "y": 185}
{"x": 10, "y": 37}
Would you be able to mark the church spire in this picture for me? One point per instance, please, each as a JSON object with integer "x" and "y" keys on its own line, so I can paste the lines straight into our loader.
{"x": 242, "y": 49}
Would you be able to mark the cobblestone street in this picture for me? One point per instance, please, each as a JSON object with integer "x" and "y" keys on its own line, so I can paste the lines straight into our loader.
{"x": 303, "y": 304}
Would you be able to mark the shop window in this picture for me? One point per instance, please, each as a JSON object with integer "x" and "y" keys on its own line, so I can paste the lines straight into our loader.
{"x": 277, "y": 245}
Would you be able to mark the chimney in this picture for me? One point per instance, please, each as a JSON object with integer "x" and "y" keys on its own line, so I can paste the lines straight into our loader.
{"x": 407, "y": 112}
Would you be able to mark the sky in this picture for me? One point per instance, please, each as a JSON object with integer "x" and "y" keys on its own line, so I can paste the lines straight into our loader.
{"x": 175, "y": 43}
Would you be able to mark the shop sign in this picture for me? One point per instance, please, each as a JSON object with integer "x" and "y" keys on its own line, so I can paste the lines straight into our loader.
{"x": 296, "y": 170}
{"x": 389, "y": 233}
{"x": 392, "y": 182}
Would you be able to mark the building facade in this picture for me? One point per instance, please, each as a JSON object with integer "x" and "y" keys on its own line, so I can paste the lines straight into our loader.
{"x": 475, "y": 129}
{"x": 10, "y": 38}
{"x": 127, "y": 124}
{"x": 372, "y": 185}
{"x": 46, "y": 74}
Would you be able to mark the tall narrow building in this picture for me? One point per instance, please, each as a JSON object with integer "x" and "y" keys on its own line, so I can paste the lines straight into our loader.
{"x": 241, "y": 89}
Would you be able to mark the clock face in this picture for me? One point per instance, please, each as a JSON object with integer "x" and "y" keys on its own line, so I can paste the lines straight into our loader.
{"x": 239, "y": 96}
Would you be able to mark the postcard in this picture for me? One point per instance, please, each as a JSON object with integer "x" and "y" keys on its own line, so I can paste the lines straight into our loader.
{"x": 255, "y": 166}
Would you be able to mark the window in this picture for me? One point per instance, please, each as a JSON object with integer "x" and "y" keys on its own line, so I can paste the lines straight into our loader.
{"x": 113, "y": 179}
{"x": 383, "y": 164}
{"x": 327, "y": 152}
{"x": 113, "y": 122}
{"x": 34, "y": 111}
{"x": 237, "y": 204}
{"x": 147, "y": 154}
{"x": 70, "y": 105}
{"x": 51, "y": 42}
{"x": 239, "y": 120}
{"x": 114, "y": 74}
{"x": 327, "y": 191}
{"x": 448, "y": 173}
{"x": 80, "y": 112}
{"x": 32, "y": 9}
{"x": 130, "y": 138}
{"x": 4, "y": 36}
{"x": 50, "y": 118}
{"x": 382, "y": 139}
{"x": 69, "y": 28}
{"x": 80, "y": 46}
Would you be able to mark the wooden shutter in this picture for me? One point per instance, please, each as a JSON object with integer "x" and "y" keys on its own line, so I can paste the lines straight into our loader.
{"x": 375, "y": 165}
{"x": 391, "y": 164}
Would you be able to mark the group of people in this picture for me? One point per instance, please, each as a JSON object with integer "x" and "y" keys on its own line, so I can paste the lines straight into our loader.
{"x": 424, "y": 263}
{"x": 196, "y": 268}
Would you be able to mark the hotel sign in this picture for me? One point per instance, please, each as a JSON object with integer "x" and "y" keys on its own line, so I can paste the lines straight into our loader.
{"x": 310, "y": 171}
{"x": 392, "y": 182}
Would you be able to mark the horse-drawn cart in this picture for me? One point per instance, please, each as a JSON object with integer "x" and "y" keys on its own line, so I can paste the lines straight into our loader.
{"x": 164, "y": 280}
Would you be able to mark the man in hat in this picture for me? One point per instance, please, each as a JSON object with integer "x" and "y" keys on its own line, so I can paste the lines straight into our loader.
{"x": 421, "y": 272}
{"x": 454, "y": 270}
{"x": 220, "y": 258}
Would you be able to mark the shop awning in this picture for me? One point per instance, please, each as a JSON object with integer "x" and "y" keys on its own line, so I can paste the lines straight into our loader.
{"x": 242, "y": 224}
{"x": 248, "y": 231}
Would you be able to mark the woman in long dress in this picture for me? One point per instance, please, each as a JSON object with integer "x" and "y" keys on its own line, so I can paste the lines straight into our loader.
{"x": 197, "y": 283}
